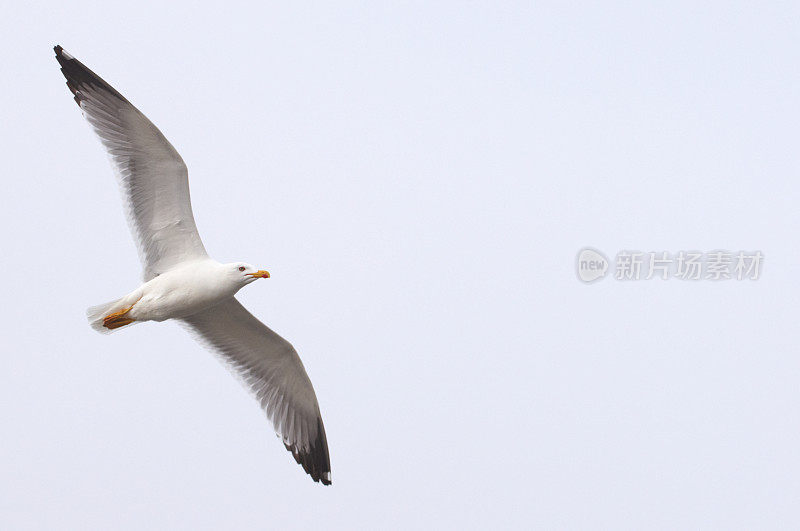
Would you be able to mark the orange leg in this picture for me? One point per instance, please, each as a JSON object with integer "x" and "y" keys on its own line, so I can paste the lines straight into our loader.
{"x": 118, "y": 319}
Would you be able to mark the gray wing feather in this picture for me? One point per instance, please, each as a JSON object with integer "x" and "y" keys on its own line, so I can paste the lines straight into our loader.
{"x": 151, "y": 173}
{"x": 272, "y": 370}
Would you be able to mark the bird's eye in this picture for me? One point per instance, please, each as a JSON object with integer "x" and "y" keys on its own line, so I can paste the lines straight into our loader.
{"x": 241, "y": 268}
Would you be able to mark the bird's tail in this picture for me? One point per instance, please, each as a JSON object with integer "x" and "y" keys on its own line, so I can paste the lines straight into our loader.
{"x": 111, "y": 316}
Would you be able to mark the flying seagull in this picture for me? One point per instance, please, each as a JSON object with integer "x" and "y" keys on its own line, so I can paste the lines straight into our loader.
{"x": 181, "y": 281}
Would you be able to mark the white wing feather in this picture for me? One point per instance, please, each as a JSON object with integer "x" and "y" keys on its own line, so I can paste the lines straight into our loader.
{"x": 151, "y": 173}
{"x": 272, "y": 370}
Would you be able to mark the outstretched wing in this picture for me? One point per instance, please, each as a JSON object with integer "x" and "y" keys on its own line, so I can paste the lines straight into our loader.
{"x": 151, "y": 173}
{"x": 271, "y": 368}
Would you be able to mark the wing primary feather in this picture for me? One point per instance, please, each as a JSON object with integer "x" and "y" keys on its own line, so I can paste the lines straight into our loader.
{"x": 77, "y": 74}
{"x": 151, "y": 173}
{"x": 272, "y": 371}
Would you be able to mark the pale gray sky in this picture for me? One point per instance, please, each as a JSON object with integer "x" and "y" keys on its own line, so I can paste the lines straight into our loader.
{"x": 418, "y": 179}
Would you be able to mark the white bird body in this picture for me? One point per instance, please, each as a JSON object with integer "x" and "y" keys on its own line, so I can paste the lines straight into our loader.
{"x": 174, "y": 294}
{"x": 182, "y": 282}
{"x": 186, "y": 289}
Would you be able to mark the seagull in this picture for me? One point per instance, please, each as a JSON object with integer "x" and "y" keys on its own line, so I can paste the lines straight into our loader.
{"x": 183, "y": 283}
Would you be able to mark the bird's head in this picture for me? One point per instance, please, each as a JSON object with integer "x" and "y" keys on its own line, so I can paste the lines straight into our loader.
{"x": 244, "y": 273}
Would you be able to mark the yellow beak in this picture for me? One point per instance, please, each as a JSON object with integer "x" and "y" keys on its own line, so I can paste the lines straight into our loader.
{"x": 260, "y": 274}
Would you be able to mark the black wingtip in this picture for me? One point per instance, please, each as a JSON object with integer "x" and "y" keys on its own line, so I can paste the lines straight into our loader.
{"x": 80, "y": 77}
{"x": 62, "y": 56}
{"x": 315, "y": 460}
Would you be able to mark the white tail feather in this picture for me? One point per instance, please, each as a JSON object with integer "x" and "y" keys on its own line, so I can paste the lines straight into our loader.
{"x": 96, "y": 314}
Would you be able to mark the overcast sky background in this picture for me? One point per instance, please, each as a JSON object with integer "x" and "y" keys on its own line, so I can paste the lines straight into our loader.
{"x": 418, "y": 179}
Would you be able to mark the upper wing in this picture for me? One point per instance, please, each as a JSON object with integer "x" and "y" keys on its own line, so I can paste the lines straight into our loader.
{"x": 272, "y": 370}
{"x": 151, "y": 173}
